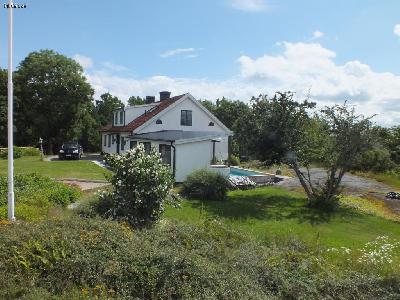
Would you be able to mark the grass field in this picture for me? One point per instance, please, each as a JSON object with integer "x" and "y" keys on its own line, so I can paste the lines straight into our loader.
{"x": 55, "y": 169}
{"x": 273, "y": 211}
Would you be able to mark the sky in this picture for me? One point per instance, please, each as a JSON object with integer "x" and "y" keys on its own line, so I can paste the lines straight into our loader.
{"x": 331, "y": 51}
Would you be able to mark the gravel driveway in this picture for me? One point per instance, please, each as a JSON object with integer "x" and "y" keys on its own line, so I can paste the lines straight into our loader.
{"x": 350, "y": 182}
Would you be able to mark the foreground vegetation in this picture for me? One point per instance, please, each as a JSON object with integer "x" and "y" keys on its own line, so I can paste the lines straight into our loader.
{"x": 36, "y": 196}
{"x": 56, "y": 169}
{"x": 79, "y": 258}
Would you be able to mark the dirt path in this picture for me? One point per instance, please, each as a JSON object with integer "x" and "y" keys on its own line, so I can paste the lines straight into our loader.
{"x": 83, "y": 184}
{"x": 351, "y": 183}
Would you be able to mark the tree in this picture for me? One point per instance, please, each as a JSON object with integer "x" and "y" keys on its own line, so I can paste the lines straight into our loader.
{"x": 105, "y": 107}
{"x": 52, "y": 89}
{"x": 336, "y": 139}
{"x": 274, "y": 127}
{"x": 135, "y": 100}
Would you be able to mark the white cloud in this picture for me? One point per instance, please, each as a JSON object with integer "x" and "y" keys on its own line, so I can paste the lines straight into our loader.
{"x": 192, "y": 56}
{"x": 300, "y": 67}
{"x": 317, "y": 34}
{"x": 114, "y": 67}
{"x": 176, "y": 52}
{"x": 304, "y": 66}
{"x": 249, "y": 5}
{"x": 85, "y": 61}
{"x": 396, "y": 29}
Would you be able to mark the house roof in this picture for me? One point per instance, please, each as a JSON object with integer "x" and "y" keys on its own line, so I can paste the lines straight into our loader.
{"x": 155, "y": 110}
{"x": 176, "y": 135}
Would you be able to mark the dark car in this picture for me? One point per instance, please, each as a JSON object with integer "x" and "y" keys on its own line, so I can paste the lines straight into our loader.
{"x": 70, "y": 150}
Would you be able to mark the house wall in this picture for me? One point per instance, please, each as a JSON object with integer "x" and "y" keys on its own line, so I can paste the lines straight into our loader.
{"x": 113, "y": 147}
{"x": 171, "y": 120}
{"x": 191, "y": 157}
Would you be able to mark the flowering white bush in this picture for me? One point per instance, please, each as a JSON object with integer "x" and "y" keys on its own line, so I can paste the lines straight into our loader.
{"x": 142, "y": 185}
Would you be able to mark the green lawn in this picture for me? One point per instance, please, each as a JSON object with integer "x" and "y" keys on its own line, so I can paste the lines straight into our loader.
{"x": 55, "y": 169}
{"x": 273, "y": 211}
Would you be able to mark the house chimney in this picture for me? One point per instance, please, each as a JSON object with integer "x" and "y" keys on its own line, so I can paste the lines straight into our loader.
{"x": 164, "y": 95}
{"x": 150, "y": 99}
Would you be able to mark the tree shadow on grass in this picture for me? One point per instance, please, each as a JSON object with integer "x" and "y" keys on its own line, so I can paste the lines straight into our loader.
{"x": 265, "y": 206}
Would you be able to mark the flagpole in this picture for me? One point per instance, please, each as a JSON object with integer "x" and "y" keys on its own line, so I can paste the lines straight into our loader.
{"x": 11, "y": 203}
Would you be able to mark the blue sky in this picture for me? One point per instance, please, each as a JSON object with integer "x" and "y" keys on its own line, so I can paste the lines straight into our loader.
{"x": 337, "y": 50}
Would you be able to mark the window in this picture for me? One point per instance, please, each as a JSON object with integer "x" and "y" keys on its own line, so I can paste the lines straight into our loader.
{"x": 147, "y": 146}
{"x": 186, "y": 117}
{"x": 121, "y": 117}
{"x": 109, "y": 140}
{"x": 115, "y": 118}
{"x": 132, "y": 144}
{"x": 211, "y": 124}
{"x": 105, "y": 140}
{"x": 158, "y": 121}
{"x": 113, "y": 139}
{"x": 165, "y": 152}
{"x": 122, "y": 143}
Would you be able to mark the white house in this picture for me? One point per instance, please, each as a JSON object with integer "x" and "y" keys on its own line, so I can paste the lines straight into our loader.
{"x": 185, "y": 133}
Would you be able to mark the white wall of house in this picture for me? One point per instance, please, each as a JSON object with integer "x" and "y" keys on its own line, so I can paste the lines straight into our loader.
{"x": 171, "y": 119}
{"x": 191, "y": 157}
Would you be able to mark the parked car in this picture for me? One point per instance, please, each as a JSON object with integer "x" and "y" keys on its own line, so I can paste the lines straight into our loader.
{"x": 70, "y": 150}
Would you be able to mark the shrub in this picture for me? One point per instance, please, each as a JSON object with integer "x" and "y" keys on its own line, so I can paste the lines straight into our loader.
{"x": 30, "y": 151}
{"x": 206, "y": 185}
{"x": 142, "y": 186}
{"x": 34, "y": 194}
{"x": 375, "y": 160}
{"x": 234, "y": 160}
{"x": 20, "y": 151}
{"x": 4, "y": 153}
{"x": 86, "y": 258}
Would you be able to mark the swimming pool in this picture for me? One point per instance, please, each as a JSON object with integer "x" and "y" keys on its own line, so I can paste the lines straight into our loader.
{"x": 243, "y": 172}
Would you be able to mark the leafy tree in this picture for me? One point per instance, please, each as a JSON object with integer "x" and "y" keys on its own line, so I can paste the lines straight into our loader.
{"x": 52, "y": 89}
{"x": 336, "y": 140}
{"x": 274, "y": 127}
{"x": 209, "y": 105}
{"x": 105, "y": 107}
{"x": 86, "y": 128}
{"x": 135, "y": 100}
{"x": 392, "y": 142}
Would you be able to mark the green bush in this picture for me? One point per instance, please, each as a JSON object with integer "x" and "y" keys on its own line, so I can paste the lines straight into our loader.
{"x": 4, "y": 153}
{"x": 142, "y": 186}
{"x": 206, "y": 185}
{"x": 234, "y": 160}
{"x": 93, "y": 258}
{"x": 36, "y": 193}
{"x": 20, "y": 151}
{"x": 375, "y": 160}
